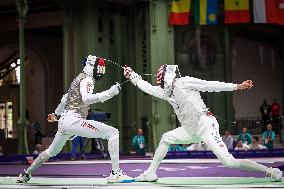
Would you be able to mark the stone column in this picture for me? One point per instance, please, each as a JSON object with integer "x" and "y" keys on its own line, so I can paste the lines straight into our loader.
{"x": 229, "y": 112}
{"x": 22, "y": 8}
{"x": 161, "y": 52}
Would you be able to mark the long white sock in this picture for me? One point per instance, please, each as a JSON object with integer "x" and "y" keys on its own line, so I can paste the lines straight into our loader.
{"x": 113, "y": 148}
{"x": 251, "y": 165}
{"x": 160, "y": 153}
{"x": 42, "y": 157}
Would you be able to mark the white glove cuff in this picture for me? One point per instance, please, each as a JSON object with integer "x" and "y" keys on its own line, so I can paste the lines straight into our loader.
{"x": 134, "y": 78}
{"x": 114, "y": 90}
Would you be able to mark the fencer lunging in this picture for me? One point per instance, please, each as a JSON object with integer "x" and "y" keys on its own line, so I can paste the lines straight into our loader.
{"x": 73, "y": 111}
{"x": 198, "y": 124}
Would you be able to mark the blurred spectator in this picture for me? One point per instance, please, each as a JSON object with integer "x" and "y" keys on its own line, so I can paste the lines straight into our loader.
{"x": 97, "y": 145}
{"x": 282, "y": 132}
{"x": 38, "y": 149}
{"x": 228, "y": 140}
{"x": 275, "y": 115}
{"x": 241, "y": 146}
{"x": 1, "y": 151}
{"x": 265, "y": 111}
{"x": 192, "y": 147}
{"x": 197, "y": 147}
{"x": 184, "y": 147}
{"x": 268, "y": 136}
{"x": 255, "y": 145}
{"x": 175, "y": 148}
{"x": 138, "y": 142}
{"x": 78, "y": 140}
{"x": 245, "y": 137}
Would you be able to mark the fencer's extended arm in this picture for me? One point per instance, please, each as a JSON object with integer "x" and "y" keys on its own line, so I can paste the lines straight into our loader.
{"x": 60, "y": 108}
{"x": 209, "y": 86}
{"x": 146, "y": 87}
{"x": 86, "y": 90}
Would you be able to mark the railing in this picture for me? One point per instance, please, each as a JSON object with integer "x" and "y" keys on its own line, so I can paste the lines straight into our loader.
{"x": 254, "y": 125}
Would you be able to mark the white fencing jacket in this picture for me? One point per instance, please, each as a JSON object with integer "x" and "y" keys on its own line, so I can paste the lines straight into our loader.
{"x": 184, "y": 96}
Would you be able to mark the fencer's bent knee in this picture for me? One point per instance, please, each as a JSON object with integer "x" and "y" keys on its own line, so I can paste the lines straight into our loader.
{"x": 166, "y": 138}
{"x": 113, "y": 133}
{"x": 116, "y": 131}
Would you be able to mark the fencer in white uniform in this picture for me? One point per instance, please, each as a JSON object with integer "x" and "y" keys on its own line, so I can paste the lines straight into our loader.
{"x": 197, "y": 123}
{"x": 73, "y": 111}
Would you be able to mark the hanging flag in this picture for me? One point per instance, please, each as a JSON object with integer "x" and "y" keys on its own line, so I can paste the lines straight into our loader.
{"x": 205, "y": 12}
{"x": 265, "y": 11}
{"x": 180, "y": 12}
{"x": 237, "y": 11}
{"x": 280, "y": 12}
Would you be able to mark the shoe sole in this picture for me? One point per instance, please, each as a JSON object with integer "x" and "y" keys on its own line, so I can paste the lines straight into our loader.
{"x": 123, "y": 181}
{"x": 128, "y": 181}
{"x": 276, "y": 180}
{"x": 19, "y": 181}
{"x": 22, "y": 181}
{"x": 146, "y": 180}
